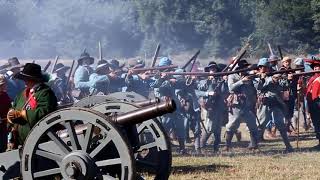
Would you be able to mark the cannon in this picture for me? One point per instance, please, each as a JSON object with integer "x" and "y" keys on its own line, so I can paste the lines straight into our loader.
{"x": 79, "y": 143}
{"x": 153, "y": 152}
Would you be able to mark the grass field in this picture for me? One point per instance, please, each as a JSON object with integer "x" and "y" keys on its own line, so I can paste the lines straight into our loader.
{"x": 269, "y": 162}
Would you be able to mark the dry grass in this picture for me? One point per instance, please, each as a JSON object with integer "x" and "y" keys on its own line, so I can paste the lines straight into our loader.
{"x": 270, "y": 162}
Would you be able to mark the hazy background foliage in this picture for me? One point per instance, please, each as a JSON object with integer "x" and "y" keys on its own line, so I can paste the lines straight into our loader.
{"x": 126, "y": 28}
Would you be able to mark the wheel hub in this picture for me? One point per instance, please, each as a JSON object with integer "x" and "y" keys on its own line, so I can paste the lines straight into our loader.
{"x": 77, "y": 165}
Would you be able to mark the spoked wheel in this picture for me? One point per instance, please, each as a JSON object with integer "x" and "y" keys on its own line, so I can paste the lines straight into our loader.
{"x": 76, "y": 143}
{"x": 153, "y": 154}
{"x": 90, "y": 101}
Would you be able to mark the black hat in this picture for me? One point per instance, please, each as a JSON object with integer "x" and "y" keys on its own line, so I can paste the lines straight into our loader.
{"x": 14, "y": 63}
{"x": 30, "y": 71}
{"x": 84, "y": 56}
{"x": 60, "y": 67}
{"x": 243, "y": 64}
{"x": 211, "y": 65}
{"x": 115, "y": 64}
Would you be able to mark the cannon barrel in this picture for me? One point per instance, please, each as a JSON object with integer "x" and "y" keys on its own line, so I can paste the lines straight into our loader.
{"x": 134, "y": 117}
{"x": 147, "y": 102}
{"x": 145, "y": 113}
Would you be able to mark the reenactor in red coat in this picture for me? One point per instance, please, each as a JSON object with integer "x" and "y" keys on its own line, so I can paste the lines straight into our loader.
{"x": 313, "y": 98}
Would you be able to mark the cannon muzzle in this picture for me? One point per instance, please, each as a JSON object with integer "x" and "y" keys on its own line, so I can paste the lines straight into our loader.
{"x": 145, "y": 113}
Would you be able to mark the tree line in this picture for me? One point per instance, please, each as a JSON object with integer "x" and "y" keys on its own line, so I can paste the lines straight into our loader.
{"x": 126, "y": 28}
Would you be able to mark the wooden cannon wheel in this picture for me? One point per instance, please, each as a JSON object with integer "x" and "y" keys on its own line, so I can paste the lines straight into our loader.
{"x": 90, "y": 147}
{"x": 153, "y": 153}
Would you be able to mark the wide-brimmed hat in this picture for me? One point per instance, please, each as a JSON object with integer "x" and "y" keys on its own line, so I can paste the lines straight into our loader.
{"x": 263, "y": 62}
{"x": 136, "y": 63}
{"x": 102, "y": 64}
{"x": 30, "y": 71}
{"x": 60, "y": 67}
{"x": 14, "y": 63}
{"x": 115, "y": 64}
{"x": 287, "y": 58}
{"x": 165, "y": 61}
{"x": 312, "y": 62}
{"x": 299, "y": 62}
{"x": 84, "y": 56}
{"x": 273, "y": 58}
{"x": 2, "y": 80}
{"x": 242, "y": 64}
{"x": 211, "y": 65}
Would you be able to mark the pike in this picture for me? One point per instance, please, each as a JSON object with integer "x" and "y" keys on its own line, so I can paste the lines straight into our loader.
{"x": 100, "y": 51}
{"x": 46, "y": 67}
{"x": 280, "y": 52}
{"x": 192, "y": 59}
{"x": 270, "y": 49}
{"x": 54, "y": 64}
{"x": 155, "y": 56}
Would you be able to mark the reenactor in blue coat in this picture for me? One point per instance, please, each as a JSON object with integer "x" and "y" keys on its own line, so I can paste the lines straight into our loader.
{"x": 99, "y": 80}
{"x": 241, "y": 103}
{"x": 272, "y": 105}
{"x": 82, "y": 74}
{"x": 59, "y": 84}
{"x": 211, "y": 90}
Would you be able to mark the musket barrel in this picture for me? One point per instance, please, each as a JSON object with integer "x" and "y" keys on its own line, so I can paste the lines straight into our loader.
{"x": 210, "y": 74}
{"x": 142, "y": 114}
{"x": 154, "y": 68}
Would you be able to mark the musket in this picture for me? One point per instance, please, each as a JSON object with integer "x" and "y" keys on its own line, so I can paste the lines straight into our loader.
{"x": 155, "y": 56}
{"x": 270, "y": 49}
{"x": 100, "y": 51}
{"x": 277, "y": 72}
{"x": 239, "y": 56}
{"x": 70, "y": 74}
{"x": 138, "y": 70}
{"x": 217, "y": 74}
{"x": 280, "y": 52}
{"x": 285, "y": 71}
{"x": 46, "y": 67}
{"x": 306, "y": 73}
{"x": 54, "y": 64}
{"x": 193, "y": 58}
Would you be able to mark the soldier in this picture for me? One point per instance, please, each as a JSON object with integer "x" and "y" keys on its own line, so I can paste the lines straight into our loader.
{"x": 14, "y": 86}
{"x": 313, "y": 98}
{"x": 289, "y": 84}
{"x": 139, "y": 83}
{"x": 99, "y": 80}
{"x": 116, "y": 76}
{"x": 301, "y": 98}
{"x": 33, "y": 103}
{"x": 169, "y": 88}
{"x": 59, "y": 84}
{"x": 241, "y": 103}
{"x": 271, "y": 102}
{"x": 5, "y": 105}
{"x": 82, "y": 74}
{"x": 213, "y": 99}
